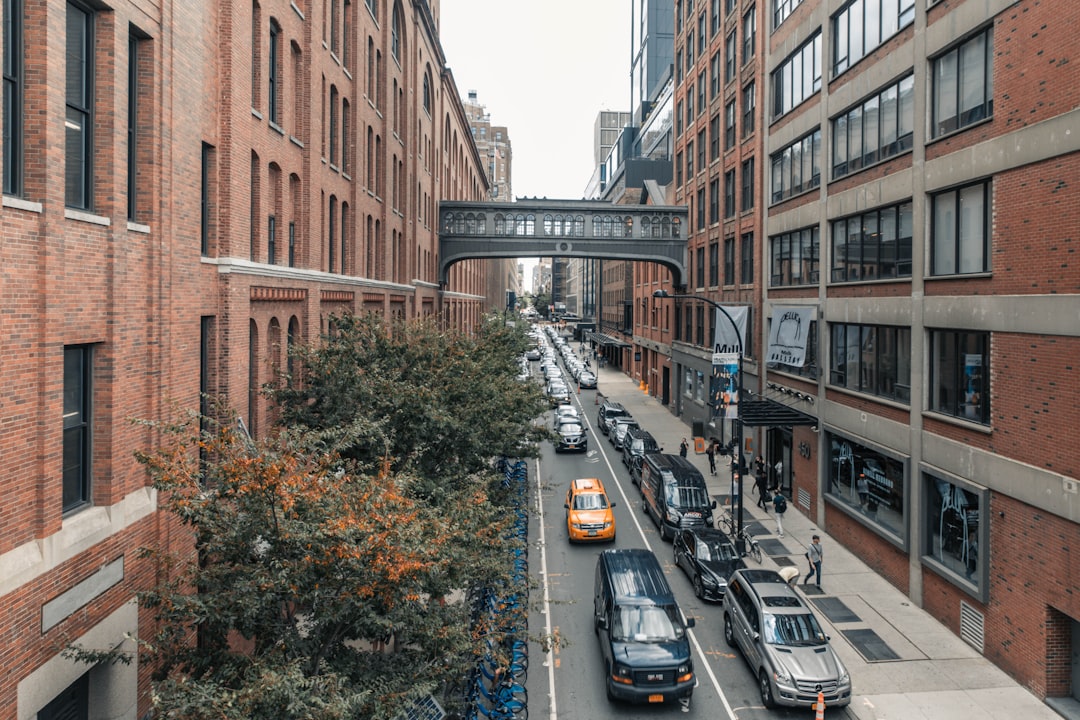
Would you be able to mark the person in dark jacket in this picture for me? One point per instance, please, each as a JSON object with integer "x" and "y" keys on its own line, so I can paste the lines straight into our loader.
{"x": 683, "y": 448}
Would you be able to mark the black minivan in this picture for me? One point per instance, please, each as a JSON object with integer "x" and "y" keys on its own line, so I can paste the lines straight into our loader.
{"x": 673, "y": 492}
{"x": 641, "y": 629}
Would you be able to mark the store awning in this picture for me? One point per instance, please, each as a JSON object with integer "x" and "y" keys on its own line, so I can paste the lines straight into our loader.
{"x": 607, "y": 340}
{"x": 769, "y": 413}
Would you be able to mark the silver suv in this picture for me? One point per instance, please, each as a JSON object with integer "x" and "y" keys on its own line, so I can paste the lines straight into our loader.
{"x": 782, "y": 641}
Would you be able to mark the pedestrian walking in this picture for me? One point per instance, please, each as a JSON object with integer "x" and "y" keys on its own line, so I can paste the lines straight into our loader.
{"x": 759, "y": 468}
{"x": 683, "y": 447}
{"x": 711, "y": 452}
{"x": 863, "y": 487}
{"x": 761, "y": 487}
{"x": 736, "y": 490}
{"x": 779, "y": 506}
{"x": 779, "y": 468}
{"x": 814, "y": 554}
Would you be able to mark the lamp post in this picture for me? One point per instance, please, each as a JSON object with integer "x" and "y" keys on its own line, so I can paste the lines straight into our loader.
{"x": 737, "y": 423}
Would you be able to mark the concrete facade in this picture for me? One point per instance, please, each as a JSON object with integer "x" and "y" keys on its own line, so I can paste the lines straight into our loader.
{"x": 286, "y": 161}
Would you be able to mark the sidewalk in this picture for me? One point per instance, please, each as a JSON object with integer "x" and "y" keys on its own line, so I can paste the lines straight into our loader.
{"x": 904, "y": 664}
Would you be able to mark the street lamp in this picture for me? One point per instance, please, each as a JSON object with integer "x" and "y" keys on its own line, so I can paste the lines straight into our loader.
{"x": 737, "y": 425}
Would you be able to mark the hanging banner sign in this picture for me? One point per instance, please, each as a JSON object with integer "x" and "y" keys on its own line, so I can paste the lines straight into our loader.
{"x": 726, "y": 340}
{"x": 724, "y": 386}
{"x": 788, "y": 335}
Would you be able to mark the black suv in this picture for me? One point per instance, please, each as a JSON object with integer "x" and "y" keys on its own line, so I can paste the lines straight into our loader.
{"x": 636, "y": 445}
{"x": 609, "y": 409}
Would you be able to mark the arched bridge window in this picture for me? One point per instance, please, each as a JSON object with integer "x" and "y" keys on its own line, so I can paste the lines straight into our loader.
{"x": 564, "y": 226}
{"x": 613, "y": 226}
{"x": 520, "y": 225}
{"x": 458, "y": 223}
{"x": 660, "y": 226}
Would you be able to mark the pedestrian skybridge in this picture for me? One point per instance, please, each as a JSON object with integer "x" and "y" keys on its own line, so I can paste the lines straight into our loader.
{"x": 563, "y": 228}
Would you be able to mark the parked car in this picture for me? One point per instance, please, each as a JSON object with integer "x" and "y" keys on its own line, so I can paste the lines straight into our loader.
{"x": 564, "y": 412}
{"x": 533, "y": 353}
{"x": 637, "y": 443}
{"x": 708, "y": 557}
{"x": 589, "y": 514}
{"x": 572, "y": 436}
{"x": 781, "y": 640}
{"x": 608, "y": 410}
{"x": 558, "y": 392}
{"x": 619, "y": 428}
{"x": 587, "y": 379}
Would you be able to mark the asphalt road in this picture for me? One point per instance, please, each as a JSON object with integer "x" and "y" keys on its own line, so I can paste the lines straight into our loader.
{"x": 568, "y": 683}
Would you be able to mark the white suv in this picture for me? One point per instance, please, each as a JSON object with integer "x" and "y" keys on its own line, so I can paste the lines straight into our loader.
{"x": 782, "y": 641}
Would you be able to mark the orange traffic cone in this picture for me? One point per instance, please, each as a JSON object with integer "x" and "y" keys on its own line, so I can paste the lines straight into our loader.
{"x": 820, "y": 706}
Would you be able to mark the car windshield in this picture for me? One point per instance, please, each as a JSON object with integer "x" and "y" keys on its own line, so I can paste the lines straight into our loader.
{"x": 590, "y": 501}
{"x": 570, "y": 428}
{"x": 681, "y": 496}
{"x": 715, "y": 550}
{"x": 792, "y": 629}
{"x": 647, "y": 623}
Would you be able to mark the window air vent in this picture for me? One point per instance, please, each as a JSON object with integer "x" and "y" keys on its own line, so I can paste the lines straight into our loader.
{"x": 971, "y": 626}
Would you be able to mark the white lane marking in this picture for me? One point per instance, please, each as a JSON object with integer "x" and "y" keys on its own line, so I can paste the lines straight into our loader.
{"x": 552, "y": 713}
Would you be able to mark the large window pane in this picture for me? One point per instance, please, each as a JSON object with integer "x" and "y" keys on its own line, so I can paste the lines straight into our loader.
{"x": 972, "y": 228}
{"x": 944, "y": 239}
{"x": 867, "y": 482}
{"x": 953, "y": 528}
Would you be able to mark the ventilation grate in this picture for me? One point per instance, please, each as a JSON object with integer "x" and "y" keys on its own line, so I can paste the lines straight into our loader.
{"x": 971, "y": 626}
{"x": 804, "y": 499}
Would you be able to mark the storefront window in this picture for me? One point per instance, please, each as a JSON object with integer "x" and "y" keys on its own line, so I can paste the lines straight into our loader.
{"x": 701, "y": 388}
{"x": 953, "y": 532}
{"x": 868, "y": 483}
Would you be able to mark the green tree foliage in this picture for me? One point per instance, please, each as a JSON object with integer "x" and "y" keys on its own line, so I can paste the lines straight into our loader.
{"x": 439, "y": 404}
{"x": 333, "y": 560}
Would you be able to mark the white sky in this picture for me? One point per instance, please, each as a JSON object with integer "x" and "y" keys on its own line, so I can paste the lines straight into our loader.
{"x": 544, "y": 70}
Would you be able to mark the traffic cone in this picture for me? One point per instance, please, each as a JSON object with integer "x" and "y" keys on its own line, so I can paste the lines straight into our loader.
{"x": 820, "y": 706}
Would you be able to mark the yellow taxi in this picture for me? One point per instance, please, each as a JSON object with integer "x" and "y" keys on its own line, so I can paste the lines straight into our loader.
{"x": 588, "y": 512}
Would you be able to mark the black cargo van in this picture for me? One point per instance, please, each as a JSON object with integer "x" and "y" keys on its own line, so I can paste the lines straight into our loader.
{"x": 641, "y": 629}
{"x": 673, "y": 492}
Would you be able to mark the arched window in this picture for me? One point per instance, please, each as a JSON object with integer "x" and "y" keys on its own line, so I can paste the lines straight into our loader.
{"x": 427, "y": 90}
{"x": 395, "y": 34}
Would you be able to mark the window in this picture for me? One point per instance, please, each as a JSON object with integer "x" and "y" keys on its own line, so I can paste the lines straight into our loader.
{"x": 395, "y": 35}
{"x": 798, "y": 77}
{"x": 702, "y": 87}
{"x": 714, "y": 200}
{"x": 79, "y": 121}
{"x": 729, "y": 193}
{"x": 953, "y": 531}
{"x": 678, "y": 119}
{"x": 797, "y": 168}
{"x": 678, "y": 16}
{"x": 876, "y": 129}
{"x": 748, "y": 185}
{"x": 700, "y": 208}
{"x": 346, "y": 34}
{"x": 862, "y": 25}
{"x": 746, "y": 257}
{"x": 332, "y": 11}
{"x": 273, "y": 69}
{"x": 689, "y": 107}
{"x": 678, "y": 66}
{"x": 702, "y": 37}
{"x": 872, "y": 359}
{"x": 714, "y": 75}
{"x": 729, "y": 261}
{"x": 77, "y": 418}
{"x": 700, "y": 266}
{"x": 13, "y": 97}
{"x": 960, "y": 230}
{"x": 960, "y": 374}
{"x": 689, "y": 161}
{"x": 866, "y": 481}
{"x": 714, "y": 16}
{"x": 873, "y": 245}
{"x": 678, "y": 169}
{"x": 714, "y": 264}
{"x": 331, "y": 234}
{"x": 714, "y": 137}
{"x": 373, "y": 8}
{"x": 333, "y": 125}
{"x": 729, "y": 125}
{"x": 729, "y": 6}
{"x": 749, "y": 100}
{"x": 701, "y": 148}
{"x": 730, "y": 47}
{"x": 782, "y": 9}
{"x": 346, "y": 138}
{"x": 963, "y": 84}
{"x": 699, "y": 315}
{"x": 205, "y": 195}
{"x": 749, "y": 41}
{"x": 271, "y": 240}
{"x": 794, "y": 257}
{"x": 689, "y": 52}
{"x": 72, "y": 702}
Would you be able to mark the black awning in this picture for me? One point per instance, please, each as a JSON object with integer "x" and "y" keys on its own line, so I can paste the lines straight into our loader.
{"x": 607, "y": 340}
{"x": 769, "y": 413}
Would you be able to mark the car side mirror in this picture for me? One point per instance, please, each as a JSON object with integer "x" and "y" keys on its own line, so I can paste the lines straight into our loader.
{"x": 601, "y": 623}
{"x": 690, "y": 622}
{"x": 566, "y": 505}
{"x": 713, "y": 504}
{"x": 612, "y": 504}
{"x": 757, "y": 636}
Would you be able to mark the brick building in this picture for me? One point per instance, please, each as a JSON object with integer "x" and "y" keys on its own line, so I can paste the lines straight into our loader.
{"x": 915, "y": 223}
{"x": 232, "y": 174}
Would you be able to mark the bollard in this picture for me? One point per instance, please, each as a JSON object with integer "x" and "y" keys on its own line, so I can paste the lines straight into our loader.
{"x": 819, "y": 706}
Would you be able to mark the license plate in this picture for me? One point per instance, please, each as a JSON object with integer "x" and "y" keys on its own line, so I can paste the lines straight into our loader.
{"x": 592, "y": 533}
{"x": 571, "y": 447}
{"x": 693, "y": 514}
{"x": 656, "y": 698}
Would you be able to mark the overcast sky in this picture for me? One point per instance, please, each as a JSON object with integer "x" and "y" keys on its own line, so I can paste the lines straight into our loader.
{"x": 543, "y": 70}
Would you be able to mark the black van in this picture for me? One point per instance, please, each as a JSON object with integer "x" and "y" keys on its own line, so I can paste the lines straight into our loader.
{"x": 641, "y": 629}
{"x": 673, "y": 492}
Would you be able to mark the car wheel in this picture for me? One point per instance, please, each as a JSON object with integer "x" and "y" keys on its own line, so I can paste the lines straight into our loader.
{"x": 644, "y": 506}
{"x": 729, "y": 632}
{"x": 766, "y": 690}
{"x": 699, "y": 588}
